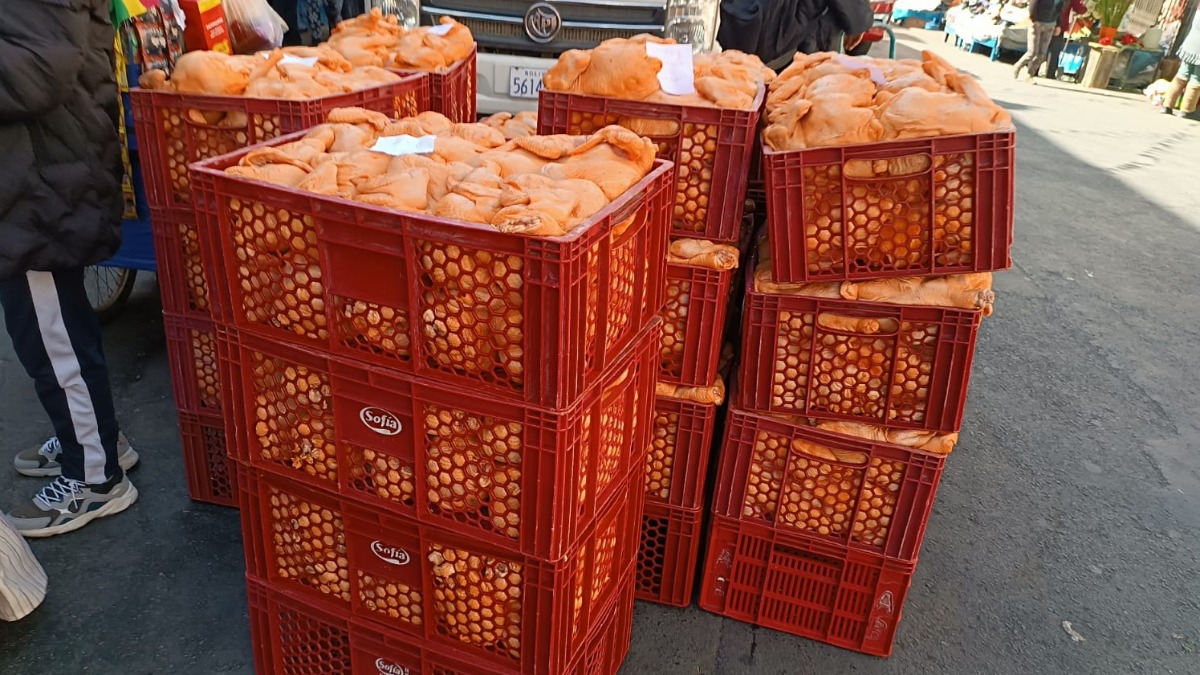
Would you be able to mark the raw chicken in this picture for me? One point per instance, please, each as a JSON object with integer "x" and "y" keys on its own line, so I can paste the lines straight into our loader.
{"x": 513, "y": 126}
{"x": 714, "y": 394}
{"x": 534, "y": 185}
{"x": 967, "y": 291}
{"x": 621, "y": 68}
{"x": 377, "y": 40}
{"x": 702, "y": 253}
{"x": 829, "y": 99}
{"x": 928, "y": 441}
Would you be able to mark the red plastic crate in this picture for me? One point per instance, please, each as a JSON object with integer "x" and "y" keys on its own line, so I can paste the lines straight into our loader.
{"x": 825, "y": 225}
{"x": 799, "y": 359}
{"x": 804, "y": 587}
{"x": 785, "y": 476}
{"x": 710, "y": 148}
{"x": 170, "y": 137}
{"x": 452, "y": 92}
{"x": 403, "y": 290}
{"x": 211, "y": 475}
{"x": 677, "y": 464}
{"x": 508, "y": 610}
{"x": 182, "y": 277}
{"x": 693, "y": 324}
{"x": 195, "y": 368}
{"x": 292, "y": 636}
{"x": 667, "y": 563}
{"x": 507, "y": 474}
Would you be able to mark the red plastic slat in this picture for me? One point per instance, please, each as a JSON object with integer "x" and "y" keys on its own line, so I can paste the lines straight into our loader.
{"x": 697, "y": 300}
{"x": 406, "y": 580}
{"x": 211, "y": 475}
{"x": 682, "y": 441}
{"x": 914, "y": 375}
{"x": 512, "y": 475}
{"x": 881, "y": 504}
{"x": 667, "y": 563}
{"x": 710, "y": 148}
{"x": 952, "y": 213}
{"x": 532, "y": 319}
{"x": 172, "y": 131}
{"x": 804, "y": 587}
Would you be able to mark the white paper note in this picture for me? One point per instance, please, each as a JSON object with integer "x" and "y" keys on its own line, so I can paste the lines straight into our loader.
{"x": 677, "y": 76}
{"x": 852, "y": 63}
{"x": 441, "y": 29}
{"x": 307, "y": 61}
{"x": 404, "y": 145}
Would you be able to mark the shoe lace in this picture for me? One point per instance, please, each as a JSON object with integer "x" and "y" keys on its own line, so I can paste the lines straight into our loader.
{"x": 58, "y": 491}
{"x": 51, "y": 448}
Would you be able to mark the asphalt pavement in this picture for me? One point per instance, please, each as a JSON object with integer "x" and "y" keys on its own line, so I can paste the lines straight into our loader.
{"x": 1073, "y": 496}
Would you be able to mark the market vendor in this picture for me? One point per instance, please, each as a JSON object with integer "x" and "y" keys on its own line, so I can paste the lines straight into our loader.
{"x": 775, "y": 31}
{"x": 1066, "y": 19}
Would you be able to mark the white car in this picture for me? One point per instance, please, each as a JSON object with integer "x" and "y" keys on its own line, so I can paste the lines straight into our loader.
{"x": 520, "y": 39}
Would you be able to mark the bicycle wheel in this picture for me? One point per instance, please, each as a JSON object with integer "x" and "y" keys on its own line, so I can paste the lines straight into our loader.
{"x": 108, "y": 288}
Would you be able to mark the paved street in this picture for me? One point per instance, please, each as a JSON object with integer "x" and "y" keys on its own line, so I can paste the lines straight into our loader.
{"x": 1074, "y": 494}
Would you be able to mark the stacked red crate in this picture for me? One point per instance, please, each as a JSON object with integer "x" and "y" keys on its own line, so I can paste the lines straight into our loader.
{"x": 174, "y": 130}
{"x": 851, "y": 385}
{"x": 441, "y": 429}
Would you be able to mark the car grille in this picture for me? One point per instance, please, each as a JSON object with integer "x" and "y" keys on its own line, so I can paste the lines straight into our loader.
{"x": 501, "y": 28}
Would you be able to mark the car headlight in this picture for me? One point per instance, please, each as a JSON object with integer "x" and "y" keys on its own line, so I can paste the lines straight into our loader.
{"x": 408, "y": 11}
{"x": 693, "y": 22}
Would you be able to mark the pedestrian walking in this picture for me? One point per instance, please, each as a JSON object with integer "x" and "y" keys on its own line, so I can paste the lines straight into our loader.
{"x": 1045, "y": 17}
{"x": 775, "y": 31}
{"x": 1186, "y": 83}
{"x": 60, "y": 208}
{"x": 1065, "y": 20}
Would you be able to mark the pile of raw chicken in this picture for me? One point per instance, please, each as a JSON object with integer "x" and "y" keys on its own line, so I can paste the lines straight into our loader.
{"x": 830, "y": 99}
{"x": 534, "y": 185}
{"x": 377, "y": 40}
{"x": 293, "y": 73}
{"x": 621, "y": 68}
{"x": 965, "y": 291}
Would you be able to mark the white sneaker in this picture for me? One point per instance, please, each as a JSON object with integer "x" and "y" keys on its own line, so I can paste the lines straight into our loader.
{"x": 42, "y": 462}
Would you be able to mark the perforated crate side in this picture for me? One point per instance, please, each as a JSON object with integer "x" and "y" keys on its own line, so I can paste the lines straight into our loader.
{"x": 392, "y": 573}
{"x": 371, "y": 284}
{"x": 211, "y": 475}
{"x": 180, "y": 265}
{"x": 710, "y": 176}
{"x": 693, "y": 324}
{"x": 782, "y": 475}
{"x": 171, "y": 135}
{"x": 667, "y": 562}
{"x": 840, "y": 213}
{"x": 509, "y": 474}
{"x": 677, "y": 464}
{"x": 899, "y": 366}
{"x": 800, "y": 586}
{"x": 452, "y": 93}
{"x": 195, "y": 368}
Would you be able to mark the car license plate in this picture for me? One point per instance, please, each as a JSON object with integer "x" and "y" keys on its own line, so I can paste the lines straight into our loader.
{"x": 525, "y": 82}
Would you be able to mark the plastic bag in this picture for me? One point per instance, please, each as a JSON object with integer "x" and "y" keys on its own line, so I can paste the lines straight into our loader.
{"x": 253, "y": 26}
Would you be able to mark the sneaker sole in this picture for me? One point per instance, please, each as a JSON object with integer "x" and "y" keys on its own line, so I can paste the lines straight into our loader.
{"x": 111, "y": 508}
{"x": 127, "y": 460}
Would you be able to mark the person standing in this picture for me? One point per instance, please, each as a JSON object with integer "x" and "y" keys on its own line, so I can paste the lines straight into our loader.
{"x": 1045, "y": 17}
{"x": 60, "y": 210}
{"x": 1070, "y": 10}
{"x": 776, "y": 31}
{"x": 1186, "y": 82}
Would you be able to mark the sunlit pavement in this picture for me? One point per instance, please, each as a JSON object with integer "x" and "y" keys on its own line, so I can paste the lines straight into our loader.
{"x": 1073, "y": 495}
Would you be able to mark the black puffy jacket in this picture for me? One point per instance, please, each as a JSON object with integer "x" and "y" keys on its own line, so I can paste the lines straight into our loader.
{"x": 774, "y": 30}
{"x": 60, "y": 185}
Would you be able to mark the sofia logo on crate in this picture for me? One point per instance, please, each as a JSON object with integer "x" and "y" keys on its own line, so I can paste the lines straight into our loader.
{"x": 380, "y": 421}
{"x": 879, "y": 625}
{"x": 390, "y": 554}
{"x": 386, "y": 667}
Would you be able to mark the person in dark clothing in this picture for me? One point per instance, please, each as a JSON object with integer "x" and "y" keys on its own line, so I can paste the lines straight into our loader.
{"x": 60, "y": 208}
{"x": 775, "y": 30}
{"x": 1045, "y": 16}
{"x": 1069, "y": 11}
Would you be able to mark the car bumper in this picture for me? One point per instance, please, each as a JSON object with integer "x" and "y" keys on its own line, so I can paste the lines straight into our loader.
{"x": 493, "y": 82}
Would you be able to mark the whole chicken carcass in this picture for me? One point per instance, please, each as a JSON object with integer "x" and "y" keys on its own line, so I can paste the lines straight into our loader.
{"x": 513, "y": 126}
{"x": 929, "y": 441}
{"x": 702, "y": 253}
{"x": 711, "y": 395}
{"x": 614, "y": 158}
{"x": 211, "y": 73}
{"x": 966, "y": 291}
{"x": 617, "y": 68}
{"x": 425, "y": 48}
{"x": 405, "y": 191}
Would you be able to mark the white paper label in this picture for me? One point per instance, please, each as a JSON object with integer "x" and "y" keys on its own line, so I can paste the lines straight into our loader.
{"x": 404, "y": 145}
{"x": 307, "y": 61}
{"x": 677, "y": 76}
{"x": 851, "y": 63}
{"x": 441, "y": 30}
